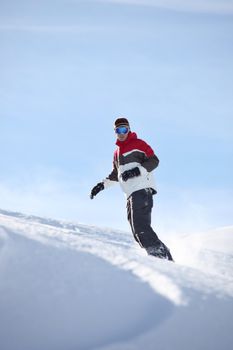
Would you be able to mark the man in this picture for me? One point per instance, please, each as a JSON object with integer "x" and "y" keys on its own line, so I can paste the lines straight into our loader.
{"x": 133, "y": 165}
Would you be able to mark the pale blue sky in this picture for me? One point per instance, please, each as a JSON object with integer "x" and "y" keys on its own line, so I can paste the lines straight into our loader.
{"x": 69, "y": 68}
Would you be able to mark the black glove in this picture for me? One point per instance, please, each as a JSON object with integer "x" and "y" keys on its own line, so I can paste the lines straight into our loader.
{"x": 95, "y": 190}
{"x": 127, "y": 174}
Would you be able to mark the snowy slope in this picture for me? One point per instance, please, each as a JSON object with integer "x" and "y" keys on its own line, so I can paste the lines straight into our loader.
{"x": 68, "y": 286}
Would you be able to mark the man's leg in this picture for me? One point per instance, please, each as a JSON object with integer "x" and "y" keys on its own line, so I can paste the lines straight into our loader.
{"x": 139, "y": 207}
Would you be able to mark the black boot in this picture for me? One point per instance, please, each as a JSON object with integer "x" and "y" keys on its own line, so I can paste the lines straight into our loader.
{"x": 160, "y": 251}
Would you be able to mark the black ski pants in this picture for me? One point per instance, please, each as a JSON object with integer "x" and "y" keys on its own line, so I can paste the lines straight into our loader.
{"x": 139, "y": 207}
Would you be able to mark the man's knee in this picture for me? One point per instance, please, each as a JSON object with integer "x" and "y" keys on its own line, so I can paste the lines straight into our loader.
{"x": 146, "y": 239}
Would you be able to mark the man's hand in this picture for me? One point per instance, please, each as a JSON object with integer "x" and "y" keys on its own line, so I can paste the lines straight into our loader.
{"x": 128, "y": 174}
{"x": 95, "y": 190}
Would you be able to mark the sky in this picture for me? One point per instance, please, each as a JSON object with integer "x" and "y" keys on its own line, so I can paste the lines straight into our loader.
{"x": 68, "y": 69}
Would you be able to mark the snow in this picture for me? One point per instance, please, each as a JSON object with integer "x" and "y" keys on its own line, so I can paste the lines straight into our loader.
{"x": 69, "y": 286}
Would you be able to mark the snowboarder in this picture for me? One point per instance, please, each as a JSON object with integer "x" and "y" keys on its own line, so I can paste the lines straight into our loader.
{"x": 133, "y": 165}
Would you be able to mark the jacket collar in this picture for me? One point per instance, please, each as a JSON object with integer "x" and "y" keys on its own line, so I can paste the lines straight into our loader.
{"x": 131, "y": 136}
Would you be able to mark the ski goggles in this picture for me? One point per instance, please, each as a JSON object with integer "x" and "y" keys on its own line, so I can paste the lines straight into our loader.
{"x": 122, "y": 130}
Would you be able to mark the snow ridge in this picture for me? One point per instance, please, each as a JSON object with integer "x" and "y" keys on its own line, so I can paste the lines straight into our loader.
{"x": 206, "y": 270}
{"x": 69, "y": 286}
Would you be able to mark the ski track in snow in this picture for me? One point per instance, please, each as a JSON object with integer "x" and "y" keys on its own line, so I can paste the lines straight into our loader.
{"x": 198, "y": 268}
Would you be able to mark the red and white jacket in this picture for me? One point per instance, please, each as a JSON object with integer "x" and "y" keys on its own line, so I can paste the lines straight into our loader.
{"x": 129, "y": 154}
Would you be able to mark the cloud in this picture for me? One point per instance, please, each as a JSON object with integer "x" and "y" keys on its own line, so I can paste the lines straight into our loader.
{"x": 198, "y": 6}
{"x": 176, "y": 209}
{"x": 53, "y": 29}
{"x": 62, "y": 199}
{"x": 180, "y": 209}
